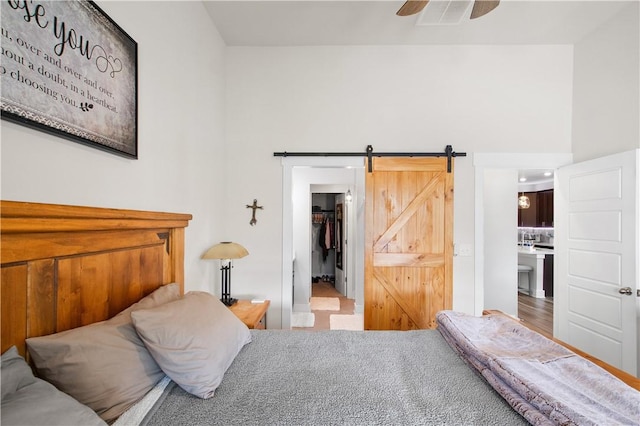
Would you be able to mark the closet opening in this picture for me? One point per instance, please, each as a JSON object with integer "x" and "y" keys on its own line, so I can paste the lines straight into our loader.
{"x": 328, "y": 241}
{"x": 302, "y": 178}
{"x": 332, "y": 301}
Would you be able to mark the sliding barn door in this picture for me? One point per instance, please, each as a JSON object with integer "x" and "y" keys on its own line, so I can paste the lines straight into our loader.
{"x": 409, "y": 242}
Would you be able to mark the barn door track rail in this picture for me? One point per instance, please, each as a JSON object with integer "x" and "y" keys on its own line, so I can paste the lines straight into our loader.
{"x": 448, "y": 152}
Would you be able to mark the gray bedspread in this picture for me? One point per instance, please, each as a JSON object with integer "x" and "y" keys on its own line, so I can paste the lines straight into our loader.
{"x": 545, "y": 382}
{"x": 342, "y": 378}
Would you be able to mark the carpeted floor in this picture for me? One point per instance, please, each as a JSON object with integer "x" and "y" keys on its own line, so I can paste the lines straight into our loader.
{"x": 302, "y": 319}
{"x": 325, "y": 303}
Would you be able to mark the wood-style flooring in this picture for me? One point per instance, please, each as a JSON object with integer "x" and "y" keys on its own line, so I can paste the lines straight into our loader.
{"x": 327, "y": 289}
{"x": 535, "y": 313}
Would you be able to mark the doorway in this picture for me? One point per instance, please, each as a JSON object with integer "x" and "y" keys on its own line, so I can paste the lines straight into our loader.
{"x": 328, "y": 242}
{"x": 496, "y": 183}
{"x": 536, "y": 248}
{"x": 302, "y": 176}
{"x": 332, "y": 302}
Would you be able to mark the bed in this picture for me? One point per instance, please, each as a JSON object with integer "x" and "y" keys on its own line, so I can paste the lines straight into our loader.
{"x": 93, "y": 299}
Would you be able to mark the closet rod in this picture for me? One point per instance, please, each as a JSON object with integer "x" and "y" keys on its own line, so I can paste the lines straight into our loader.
{"x": 448, "y": 152}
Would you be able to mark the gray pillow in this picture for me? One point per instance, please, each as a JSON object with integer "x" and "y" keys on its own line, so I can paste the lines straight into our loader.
{"x": 103, "y": 365}
{"x": 15, "y": 372}
{"x": 27, "y": 400}
{"x": 194, "y": 340}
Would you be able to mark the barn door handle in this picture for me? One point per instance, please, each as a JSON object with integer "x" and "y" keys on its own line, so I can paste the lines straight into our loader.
{"x": 626, "y": 290}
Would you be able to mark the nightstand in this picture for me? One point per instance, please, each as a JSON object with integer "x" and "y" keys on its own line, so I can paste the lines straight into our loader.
{"x": 254, "y": 315}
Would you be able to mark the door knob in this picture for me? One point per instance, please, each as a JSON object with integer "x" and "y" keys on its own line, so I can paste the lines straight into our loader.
{"x": 626, "y": 290}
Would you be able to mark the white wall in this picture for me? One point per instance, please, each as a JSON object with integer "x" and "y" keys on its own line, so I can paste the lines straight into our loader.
{"x": 500, "y": 234}
{"x": 606, "y": 106}
{"x": 180, "y": 137}
{"x": 396, "y": 98}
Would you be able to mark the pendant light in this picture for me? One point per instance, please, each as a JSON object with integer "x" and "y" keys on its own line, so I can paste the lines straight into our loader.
{"x": 523, "y": 201}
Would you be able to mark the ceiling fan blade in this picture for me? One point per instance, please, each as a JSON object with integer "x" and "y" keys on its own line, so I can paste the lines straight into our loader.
{"x": 411, "y": 7}
{"x": 482, "y": 7}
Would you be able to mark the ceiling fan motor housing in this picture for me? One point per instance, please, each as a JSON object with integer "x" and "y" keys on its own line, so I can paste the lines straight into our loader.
{"x": 447, "y": 12}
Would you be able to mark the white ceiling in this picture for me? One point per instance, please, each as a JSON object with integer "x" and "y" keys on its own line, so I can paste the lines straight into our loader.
{"x": 534, "y": 176}
{"x": 363, "y": 22}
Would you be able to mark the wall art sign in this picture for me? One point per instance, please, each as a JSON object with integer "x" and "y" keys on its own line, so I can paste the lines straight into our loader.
{"x": 67, "y": 68}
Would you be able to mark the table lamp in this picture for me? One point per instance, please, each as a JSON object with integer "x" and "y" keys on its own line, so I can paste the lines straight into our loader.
{"x": 225, "y": 251}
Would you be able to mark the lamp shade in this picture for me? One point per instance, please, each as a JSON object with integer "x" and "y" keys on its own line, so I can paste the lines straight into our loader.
{"x": 226, "y": 250}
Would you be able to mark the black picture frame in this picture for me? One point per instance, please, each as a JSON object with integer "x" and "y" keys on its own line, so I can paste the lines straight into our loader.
{"x": 68, "y": 69}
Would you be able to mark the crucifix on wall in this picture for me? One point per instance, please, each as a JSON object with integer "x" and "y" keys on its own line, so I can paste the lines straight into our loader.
{"x": 254, "y": 207}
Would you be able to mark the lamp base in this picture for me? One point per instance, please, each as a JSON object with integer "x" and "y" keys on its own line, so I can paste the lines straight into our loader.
{"x": 229, "y": 301}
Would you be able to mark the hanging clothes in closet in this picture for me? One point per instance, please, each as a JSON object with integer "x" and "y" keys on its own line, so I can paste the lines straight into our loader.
{"x": 326, "y": 237}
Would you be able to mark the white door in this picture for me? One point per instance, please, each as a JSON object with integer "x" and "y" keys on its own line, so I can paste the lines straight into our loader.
{"x": 597, "y": 249}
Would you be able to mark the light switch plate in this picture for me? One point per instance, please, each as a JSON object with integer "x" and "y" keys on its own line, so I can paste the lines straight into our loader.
{"x": 462, "y": 249}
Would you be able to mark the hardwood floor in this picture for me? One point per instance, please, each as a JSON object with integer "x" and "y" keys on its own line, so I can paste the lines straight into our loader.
{"x": 536, "y": 313}
{"x": 326, "y": 289}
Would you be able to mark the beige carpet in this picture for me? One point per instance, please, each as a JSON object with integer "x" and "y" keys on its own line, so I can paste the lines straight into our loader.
{"x": 346, "y": 322}
{"x": 325, "y": 304}
{"x": 302, "y": 319}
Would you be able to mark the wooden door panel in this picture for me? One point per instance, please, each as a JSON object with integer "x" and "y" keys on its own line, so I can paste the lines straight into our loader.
{"x": 407, "y": 187}
{"x": 379, "y": 191}
{"x": 386, "y": 314}
{"x": 403, "y": 164}
{"x": 409, "y": 243}
{"x": 408, "y": 259}
{"x": 402, "y": 220}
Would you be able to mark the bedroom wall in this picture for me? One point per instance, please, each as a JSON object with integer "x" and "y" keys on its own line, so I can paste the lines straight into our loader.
{"x": 500, "y": 231}
{"x": 606, "y": 117}
{"x": 180, "y": 137}
{"x": 396, "y": 98}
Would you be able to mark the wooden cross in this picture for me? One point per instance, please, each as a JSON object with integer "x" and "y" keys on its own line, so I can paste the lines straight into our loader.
{"x": 255, "y": 206}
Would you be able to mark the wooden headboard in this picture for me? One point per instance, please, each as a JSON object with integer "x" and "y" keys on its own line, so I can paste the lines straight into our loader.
{"x": 69, "y": 266}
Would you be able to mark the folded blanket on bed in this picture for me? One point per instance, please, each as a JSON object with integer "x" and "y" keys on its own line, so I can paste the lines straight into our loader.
{"x": 542, "y": 380}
